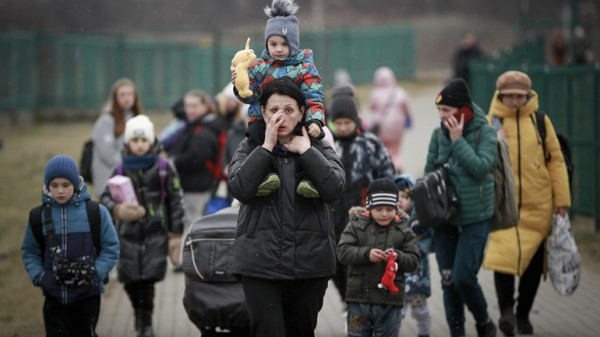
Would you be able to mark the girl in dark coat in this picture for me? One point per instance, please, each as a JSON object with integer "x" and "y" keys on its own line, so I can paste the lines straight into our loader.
{"x": 144, "y": 228}
{"x": 285, "y": 244}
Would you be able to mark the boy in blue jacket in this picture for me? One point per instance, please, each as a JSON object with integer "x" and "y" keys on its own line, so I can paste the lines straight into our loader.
{"x": 66, "y": 263}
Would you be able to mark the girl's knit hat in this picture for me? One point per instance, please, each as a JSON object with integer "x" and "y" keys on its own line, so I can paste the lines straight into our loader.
{"x": 139, "y": 126}
{"x": 382, "y": 192}
{"x": 405, "y": 183}
{"x": 61, "y": 166}
{"x": 283, "y": 23}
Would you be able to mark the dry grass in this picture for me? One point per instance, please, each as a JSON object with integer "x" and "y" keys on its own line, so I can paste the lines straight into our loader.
{"x": 24, "y": 156}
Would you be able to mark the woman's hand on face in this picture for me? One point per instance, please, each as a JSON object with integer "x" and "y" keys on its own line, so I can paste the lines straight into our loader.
{"x": 272, "y": 125}
{"x": 455, "y": 127}
{"x": 299, "y": 144}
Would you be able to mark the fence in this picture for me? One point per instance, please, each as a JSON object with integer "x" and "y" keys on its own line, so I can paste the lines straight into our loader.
{"x": 47, "y": 71}
{"x": 570, "y": 95}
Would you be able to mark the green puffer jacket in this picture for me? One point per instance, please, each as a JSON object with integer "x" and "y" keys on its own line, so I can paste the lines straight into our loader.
{"x": 471, "y": 159}
{"x": 360, "y": 236}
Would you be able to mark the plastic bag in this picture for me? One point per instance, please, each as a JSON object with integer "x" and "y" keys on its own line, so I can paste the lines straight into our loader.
{"x": 564, "y": 262}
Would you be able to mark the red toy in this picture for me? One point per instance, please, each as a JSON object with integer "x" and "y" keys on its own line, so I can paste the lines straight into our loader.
{"x": 387, "y": 280}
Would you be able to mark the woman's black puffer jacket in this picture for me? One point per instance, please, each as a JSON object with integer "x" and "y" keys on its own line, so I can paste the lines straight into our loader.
{"x": 284, "y": 236}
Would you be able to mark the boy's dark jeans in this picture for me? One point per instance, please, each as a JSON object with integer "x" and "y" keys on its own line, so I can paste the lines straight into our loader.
{"x": 74, "y": 319}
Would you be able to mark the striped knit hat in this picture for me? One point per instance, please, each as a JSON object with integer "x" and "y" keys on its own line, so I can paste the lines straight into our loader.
{"x": 382, "y": 192}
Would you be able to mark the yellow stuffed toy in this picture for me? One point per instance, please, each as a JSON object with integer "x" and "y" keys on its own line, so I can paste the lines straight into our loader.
{"x": 240, "y": 63}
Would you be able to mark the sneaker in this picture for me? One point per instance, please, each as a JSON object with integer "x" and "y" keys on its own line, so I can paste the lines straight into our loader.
{"x": 487, "y": 329}
{"x": 506, "y": 323}
{"x": 524, "y": 327}
{"x": 307, "y": 190}
{"x": 270, "y": 184}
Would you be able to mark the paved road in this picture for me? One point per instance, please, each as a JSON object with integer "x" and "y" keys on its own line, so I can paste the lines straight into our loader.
{"x": 552, "y": 315}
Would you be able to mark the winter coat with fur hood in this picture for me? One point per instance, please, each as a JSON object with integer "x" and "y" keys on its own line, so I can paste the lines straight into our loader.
{"x": 144, "y": 243}
{"x": 363, "y": 234}
{"x": 283, "y": 236}
{"x": 540, "y": 186}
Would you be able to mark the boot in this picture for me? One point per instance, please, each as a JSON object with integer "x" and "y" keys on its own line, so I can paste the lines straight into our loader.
{"x": 506, "y": 323}
{"x": 138, "y": 319}
{"x": 487, "y": 329}
{"x": 270, "y": 184}
{"x": 146, "y": 328}
{"x": 524, "y": 326}
{"x": 307, "y": 189}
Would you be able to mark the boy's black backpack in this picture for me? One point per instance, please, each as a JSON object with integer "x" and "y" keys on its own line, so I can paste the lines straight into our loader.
{"x": 85, "y": 163}
{"x": 564, "y": 146}
{"x": 93, "y": 214}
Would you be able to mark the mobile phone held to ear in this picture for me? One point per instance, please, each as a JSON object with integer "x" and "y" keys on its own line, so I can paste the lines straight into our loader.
{"x": 466, "y": 111}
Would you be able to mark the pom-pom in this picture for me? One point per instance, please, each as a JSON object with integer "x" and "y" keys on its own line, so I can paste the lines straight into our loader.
{"x": 281, "y": 8}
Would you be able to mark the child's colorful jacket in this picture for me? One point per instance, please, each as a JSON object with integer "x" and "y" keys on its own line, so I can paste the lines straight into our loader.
{"x": 300, "y": 68}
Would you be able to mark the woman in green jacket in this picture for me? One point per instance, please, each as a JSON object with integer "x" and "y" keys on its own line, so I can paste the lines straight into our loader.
{"x": 469, "y": 146}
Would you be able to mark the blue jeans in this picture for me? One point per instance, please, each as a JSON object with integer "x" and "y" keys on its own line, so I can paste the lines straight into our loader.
{"x": 459, "y": 253}
{"x": 369, "y": 319}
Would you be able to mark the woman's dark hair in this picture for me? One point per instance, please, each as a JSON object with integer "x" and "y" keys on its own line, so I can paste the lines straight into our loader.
{"x": 283, "y": 86}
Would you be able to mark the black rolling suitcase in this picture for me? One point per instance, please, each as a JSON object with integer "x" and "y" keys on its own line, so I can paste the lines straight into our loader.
{"x": 213, "y": 298}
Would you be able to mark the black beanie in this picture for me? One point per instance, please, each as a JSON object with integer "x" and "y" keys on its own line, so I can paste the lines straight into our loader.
{"x": 455, "y": 94}
{"x": 343, "y": 104}
{"x": 382, "y": 192}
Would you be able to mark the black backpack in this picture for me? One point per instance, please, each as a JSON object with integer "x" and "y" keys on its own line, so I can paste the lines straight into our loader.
{"x": 85, "y": 163}
{"x": 564, "y": 146}
{"x": 93, "y": 214}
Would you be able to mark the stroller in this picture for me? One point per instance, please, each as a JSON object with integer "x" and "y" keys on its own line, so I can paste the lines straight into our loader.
{"x": 214, "y": 299}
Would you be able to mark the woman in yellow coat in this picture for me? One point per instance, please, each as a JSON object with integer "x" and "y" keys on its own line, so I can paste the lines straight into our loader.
{"x": 542, "y": 188}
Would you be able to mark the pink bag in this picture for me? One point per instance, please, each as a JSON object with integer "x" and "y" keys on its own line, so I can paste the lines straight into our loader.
{"x": 121, "y": 189}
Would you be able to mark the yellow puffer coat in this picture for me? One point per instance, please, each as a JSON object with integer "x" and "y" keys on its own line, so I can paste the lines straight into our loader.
{"x": 540, "y": 186}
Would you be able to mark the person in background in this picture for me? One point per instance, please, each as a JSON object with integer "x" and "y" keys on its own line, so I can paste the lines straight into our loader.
{"x": 229, "y": 107}
{"x": 465, "y": 142}
{"x": 559, "y": 48}
{"x": 372, "y": 238}
{"x": 195, "y": 150}
{"x": 418, "y": 283}
{"x": 468, "y": 50}
{"x": 235, "y": 135}
{"x": 582, "y": 53}
{"x": 107, "y": 134}
{"x": 542, "y": 187}
{"x": 173, "y": 130}
{"x": 285, "y": 244}
{"x": 391, "y": 114}
{"x": 66, "y": 265}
